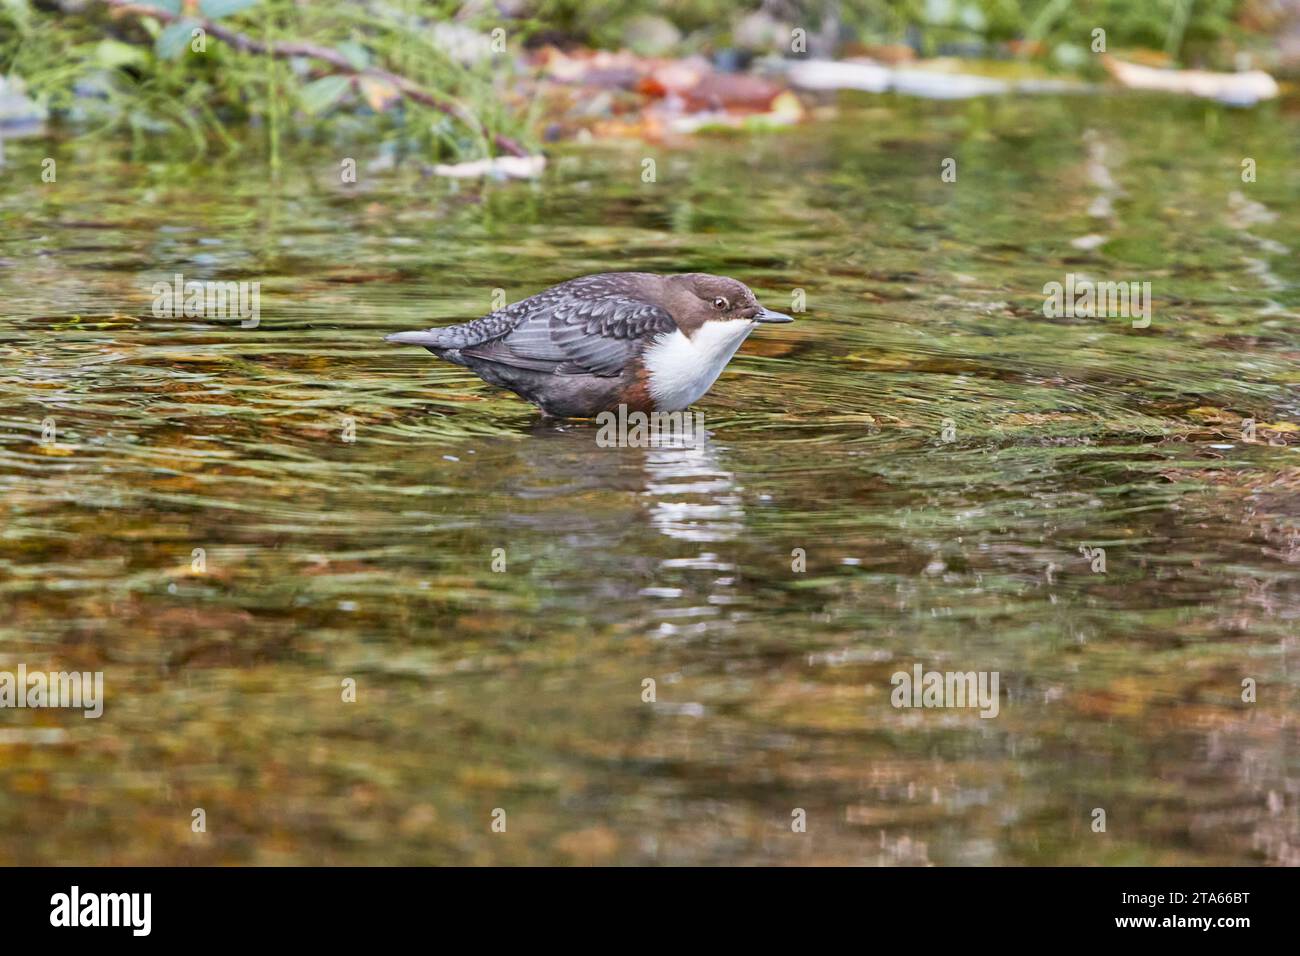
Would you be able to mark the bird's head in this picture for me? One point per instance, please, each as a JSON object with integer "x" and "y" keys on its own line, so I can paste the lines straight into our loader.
{"x": 698, "y": 299}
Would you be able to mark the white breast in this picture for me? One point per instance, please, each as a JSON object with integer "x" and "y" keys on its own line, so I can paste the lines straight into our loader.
{"x": 682, "y": 369}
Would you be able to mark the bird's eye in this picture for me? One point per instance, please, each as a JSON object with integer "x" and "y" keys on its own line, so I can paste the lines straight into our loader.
{"x": 720, "y": 303}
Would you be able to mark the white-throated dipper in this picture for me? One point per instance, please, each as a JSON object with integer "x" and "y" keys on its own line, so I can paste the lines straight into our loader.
{"x": 654, "y": 343}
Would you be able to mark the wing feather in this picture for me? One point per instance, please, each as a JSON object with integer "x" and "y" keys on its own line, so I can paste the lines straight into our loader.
{"x": 575, "y": 335}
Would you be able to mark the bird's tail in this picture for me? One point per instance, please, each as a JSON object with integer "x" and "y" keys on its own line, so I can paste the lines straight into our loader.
{"x": 462, "y": 336}
{"x": 429, "y": 338}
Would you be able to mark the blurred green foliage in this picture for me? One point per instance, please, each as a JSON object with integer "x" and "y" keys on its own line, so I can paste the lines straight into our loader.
{"x": 1185, "y": 29}
{"x": 120, "y": 71}
{"x": 109, "y": 70}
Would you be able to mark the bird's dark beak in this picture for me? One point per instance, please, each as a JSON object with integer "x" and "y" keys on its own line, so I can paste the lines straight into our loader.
{"x": 767, "y": 315}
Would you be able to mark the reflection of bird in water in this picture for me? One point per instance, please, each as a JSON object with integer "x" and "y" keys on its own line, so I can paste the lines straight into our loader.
{"x": 692, "y": 496}
{"x": 689, "y": 495}
{"x": 602, "y": 517}
{"x": 684, "y": 485}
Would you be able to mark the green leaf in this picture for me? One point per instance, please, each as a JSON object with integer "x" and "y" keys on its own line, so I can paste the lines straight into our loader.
{"x": 113, "y": 53}
{"x": 323, "y": 93}
{"x": 175, "y": 39}
{"x": 216, "y": 9}
{"x": 355, "y": 53}
{"x": 171, "y": 6}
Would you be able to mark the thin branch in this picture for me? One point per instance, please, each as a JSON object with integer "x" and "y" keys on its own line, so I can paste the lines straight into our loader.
{"x": 334, "y": 58}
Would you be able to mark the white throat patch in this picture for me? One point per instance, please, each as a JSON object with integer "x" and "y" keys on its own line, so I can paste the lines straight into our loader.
{"x": 683, "y": 369}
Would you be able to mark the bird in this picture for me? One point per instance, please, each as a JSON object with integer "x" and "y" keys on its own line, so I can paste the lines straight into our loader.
{"x": 650, "y": 342}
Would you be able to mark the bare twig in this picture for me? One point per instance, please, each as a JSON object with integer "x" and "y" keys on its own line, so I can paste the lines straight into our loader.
{"x": 334, "y": 58}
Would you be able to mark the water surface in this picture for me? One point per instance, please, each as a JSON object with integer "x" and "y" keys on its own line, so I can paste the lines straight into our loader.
{"x": 478, "y": 689}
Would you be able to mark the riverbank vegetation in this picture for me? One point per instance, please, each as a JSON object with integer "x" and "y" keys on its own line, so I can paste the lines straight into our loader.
{"x": 456, "y": 80}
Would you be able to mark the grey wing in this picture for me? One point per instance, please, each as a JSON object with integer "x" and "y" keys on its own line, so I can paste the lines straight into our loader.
{"x": 578, "y": 336}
